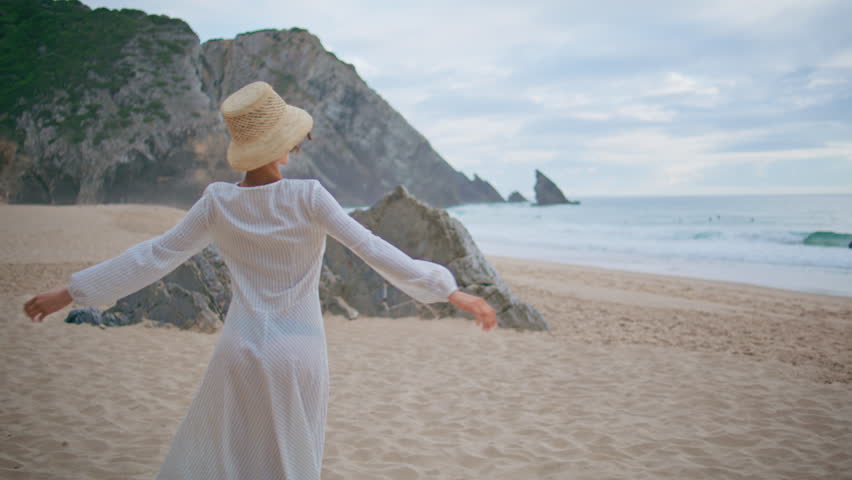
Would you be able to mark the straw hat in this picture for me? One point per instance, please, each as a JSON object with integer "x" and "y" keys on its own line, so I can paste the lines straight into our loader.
{"x": 263, "y": 127}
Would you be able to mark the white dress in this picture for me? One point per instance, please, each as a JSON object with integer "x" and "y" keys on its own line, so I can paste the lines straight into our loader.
{"x": 260, "y": 410}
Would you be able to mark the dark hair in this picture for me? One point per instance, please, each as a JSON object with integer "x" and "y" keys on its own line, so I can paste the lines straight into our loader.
{"x": 298, "y": 147}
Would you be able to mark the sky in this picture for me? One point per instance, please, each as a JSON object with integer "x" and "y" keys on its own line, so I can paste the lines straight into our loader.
{"x": 604, "y": 97}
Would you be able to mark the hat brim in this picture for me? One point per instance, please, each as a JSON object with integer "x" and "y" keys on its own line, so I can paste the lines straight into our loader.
{"x": 291, "y": 129}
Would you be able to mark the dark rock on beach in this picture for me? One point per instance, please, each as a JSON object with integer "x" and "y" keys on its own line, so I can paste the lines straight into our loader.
{"x": 93, "y": 316}
{"x": 517, "y": 197}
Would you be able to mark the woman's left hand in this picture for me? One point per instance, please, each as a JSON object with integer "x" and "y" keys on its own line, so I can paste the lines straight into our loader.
{"x": 43, "y": 304}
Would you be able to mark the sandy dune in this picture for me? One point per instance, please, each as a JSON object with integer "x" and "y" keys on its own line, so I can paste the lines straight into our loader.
{"x": 643, "y": 376}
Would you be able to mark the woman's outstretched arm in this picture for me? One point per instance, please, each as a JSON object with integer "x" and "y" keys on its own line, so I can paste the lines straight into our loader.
{"x": 144, "y": 263}
{"x": 133, "y": 269}
{"x": 425, "y": 281}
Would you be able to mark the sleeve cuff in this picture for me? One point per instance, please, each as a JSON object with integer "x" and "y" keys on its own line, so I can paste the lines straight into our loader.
{"x": 445, "y": 283}
{"x": 77, "y": 295}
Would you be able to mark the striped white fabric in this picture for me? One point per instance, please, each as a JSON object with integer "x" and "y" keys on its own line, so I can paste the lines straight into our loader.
{"x": 260, "y": 410}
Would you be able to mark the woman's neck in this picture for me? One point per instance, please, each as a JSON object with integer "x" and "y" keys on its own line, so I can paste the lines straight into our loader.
{"x": 259, "y": 179}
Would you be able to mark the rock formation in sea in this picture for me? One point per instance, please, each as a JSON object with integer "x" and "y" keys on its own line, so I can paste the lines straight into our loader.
{"x": 516, "y": 197}
{"x": 547, "y": 193}
{"x": 487, "y": 192}
{"x": 130, "y": 114}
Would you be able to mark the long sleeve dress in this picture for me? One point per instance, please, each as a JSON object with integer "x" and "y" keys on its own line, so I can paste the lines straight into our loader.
{"x": 260, "y": 410}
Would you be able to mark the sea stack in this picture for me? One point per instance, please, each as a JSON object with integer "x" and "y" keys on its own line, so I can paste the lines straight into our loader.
{"x": 516, "y": 197}
{"x": 547, "y": 193}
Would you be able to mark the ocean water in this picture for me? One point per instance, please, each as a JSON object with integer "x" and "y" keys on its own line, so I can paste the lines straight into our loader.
{"x": 796, "y": 242}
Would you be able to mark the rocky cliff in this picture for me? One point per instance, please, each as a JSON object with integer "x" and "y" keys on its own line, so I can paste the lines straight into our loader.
{"x": 121, "y": 106}
{"x": 363, "y": 147}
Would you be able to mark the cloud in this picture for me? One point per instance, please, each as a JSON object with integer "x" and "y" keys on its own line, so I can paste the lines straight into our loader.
{"x": 677, "y": 84}
{"x": 840, "y": 60}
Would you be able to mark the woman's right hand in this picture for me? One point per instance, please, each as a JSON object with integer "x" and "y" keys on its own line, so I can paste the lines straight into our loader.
{"x": 43, "y": 304}
{"x": 485, "y": 315}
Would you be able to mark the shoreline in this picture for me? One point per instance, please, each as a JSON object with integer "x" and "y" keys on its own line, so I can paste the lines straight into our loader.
{"x": 666, "y": 276}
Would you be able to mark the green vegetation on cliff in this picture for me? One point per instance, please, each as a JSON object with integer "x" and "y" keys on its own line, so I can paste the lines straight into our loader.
{"x": 52, "y": 46}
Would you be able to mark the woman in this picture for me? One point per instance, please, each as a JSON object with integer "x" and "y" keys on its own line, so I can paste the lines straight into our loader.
{"x": 260, "y": 411}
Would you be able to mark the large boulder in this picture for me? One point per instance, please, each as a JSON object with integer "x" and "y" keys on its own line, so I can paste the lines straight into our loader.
{"x": 331, "y": 289}
{"x": 517, "y": 197}
{"x": 426, "y": 233}
{"x": 547, "y": 193}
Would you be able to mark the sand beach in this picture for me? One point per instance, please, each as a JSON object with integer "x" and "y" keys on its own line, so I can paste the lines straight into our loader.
{"x": 642, "y": 376}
